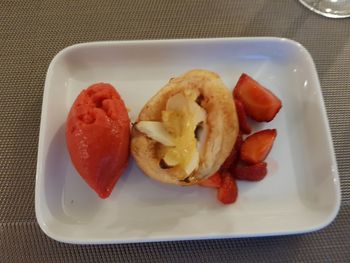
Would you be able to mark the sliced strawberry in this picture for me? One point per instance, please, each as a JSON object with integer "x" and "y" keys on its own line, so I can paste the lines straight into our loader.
{"x": 255, "y": 172}
{"x": 234, "y": 155}
{"x": 242, "y": 118}
{"x": 259, "y": 103}
{"x": 257, "y": 146}
{"x": 227, "y": 193}
{"x": 214, "y": 181}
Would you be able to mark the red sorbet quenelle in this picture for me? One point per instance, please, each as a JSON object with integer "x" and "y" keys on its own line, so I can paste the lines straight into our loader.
{"x": 98, "y": 136}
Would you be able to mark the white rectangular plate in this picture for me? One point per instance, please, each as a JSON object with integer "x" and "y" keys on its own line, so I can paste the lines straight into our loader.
{"x": 301, "y": 192}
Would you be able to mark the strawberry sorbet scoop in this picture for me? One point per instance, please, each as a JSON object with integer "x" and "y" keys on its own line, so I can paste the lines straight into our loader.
{"x": 98, "y": 135}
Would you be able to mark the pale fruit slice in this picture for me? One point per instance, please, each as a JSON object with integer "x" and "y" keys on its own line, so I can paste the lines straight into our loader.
{"x": 176, "y": 102}
{"x": 156, "y": 131}
{"x": 198, "y": 113}
{"x": 202, "y": 137}
{"x": 181, "y": 118}
{"x": 177, "y": 131}
{"x": 170, "y": 159}
{"x": 179, "y": 102}
{"x": 193, "y": 163}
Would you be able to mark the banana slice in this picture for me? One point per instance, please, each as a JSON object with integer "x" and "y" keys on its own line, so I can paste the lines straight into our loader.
{"x": 156, "y": 131}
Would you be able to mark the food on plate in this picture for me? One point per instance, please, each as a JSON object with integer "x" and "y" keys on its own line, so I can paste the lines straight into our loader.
{"x": 259, "y": 103}
{"x": 98, "y": 135}
{"x": 242, "y": 118}
{"x": 245, "y": 162}
{"x": 254, "y": 172}
{"x": 234, "y": 155}
{"x": 190, "y": 132}
{"x": 228, "y": 191}
{"x": 214, "y": 181}
{"x": 187, "y": 130}
{"x": 257, "y": 146}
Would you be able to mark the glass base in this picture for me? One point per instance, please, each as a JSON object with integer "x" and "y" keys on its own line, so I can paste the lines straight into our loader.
{"x": 329, "y": 8}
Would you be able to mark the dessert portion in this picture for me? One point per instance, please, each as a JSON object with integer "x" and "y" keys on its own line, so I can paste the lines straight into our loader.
{"x": 98, "y": 136}
{"x": 193, "y": 131}
{"x": 187, "y": 130}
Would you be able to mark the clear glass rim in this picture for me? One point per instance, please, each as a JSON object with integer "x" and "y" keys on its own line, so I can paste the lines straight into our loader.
{"x": 331, "y": 13}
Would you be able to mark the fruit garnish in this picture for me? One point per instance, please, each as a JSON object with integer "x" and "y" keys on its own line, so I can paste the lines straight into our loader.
{"x": 228, "y": 191}
{"x": 177, "y": 131}
{"x": 242, "y": 118}
{"x": 257, "y": 146}
{"x": 245, "y": 161}
{"x": 156, "y": 131}
{"x": 259, "y": 103}
{"x": 255, "y": 172}
{"x": 214, "y": 181}
{"x": 234, "y": 155}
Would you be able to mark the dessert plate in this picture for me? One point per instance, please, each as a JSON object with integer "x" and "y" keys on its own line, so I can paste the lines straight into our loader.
{"x": 300, "y": 194}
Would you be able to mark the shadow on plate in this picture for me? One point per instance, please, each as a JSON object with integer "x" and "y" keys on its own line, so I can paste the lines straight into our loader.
{"x": 68, "y": 197}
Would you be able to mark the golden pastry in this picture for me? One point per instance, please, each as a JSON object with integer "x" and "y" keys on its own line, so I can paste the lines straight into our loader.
{"x": 186, "y": 131}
